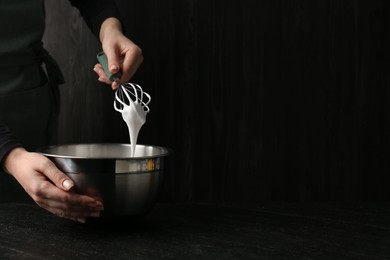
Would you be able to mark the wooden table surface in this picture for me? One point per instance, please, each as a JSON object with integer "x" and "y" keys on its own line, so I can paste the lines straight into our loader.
{"x": 203, "y": 231}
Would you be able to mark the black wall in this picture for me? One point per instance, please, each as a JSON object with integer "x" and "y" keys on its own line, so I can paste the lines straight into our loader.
{"x": 259, "y": 100}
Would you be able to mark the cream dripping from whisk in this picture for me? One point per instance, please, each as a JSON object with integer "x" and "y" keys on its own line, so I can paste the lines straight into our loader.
{"x": 134, "y": 111}
{"x": 129, "y": 100}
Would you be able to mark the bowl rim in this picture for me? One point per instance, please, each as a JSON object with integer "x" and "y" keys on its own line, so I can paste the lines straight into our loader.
{"x": 43, "y": 150}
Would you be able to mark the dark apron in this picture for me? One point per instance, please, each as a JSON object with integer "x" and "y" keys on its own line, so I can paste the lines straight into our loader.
{"x": 29, "y": 100}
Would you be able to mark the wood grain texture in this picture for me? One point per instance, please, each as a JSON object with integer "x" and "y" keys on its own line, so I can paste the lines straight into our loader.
{"x": 259, "y": 100}
{"x": 203, "y": 231}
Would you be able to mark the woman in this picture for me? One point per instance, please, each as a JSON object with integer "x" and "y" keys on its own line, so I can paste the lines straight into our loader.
{"x": 29, "y": 98}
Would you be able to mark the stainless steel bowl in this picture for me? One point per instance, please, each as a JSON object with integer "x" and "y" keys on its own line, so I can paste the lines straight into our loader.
{"x": 126, "y": 185}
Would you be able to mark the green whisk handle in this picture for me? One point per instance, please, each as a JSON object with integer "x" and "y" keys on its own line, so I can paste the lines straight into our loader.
{"x": 102, "y": 58}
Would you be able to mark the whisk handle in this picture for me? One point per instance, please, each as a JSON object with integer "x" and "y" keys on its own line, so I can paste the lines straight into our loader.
{"x": 102, "y": 58}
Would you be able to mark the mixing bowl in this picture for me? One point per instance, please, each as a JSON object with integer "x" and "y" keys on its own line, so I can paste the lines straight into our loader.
{"x": 127, "y": 186}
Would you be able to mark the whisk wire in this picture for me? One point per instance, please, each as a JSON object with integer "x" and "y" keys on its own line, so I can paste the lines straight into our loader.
{"x": 133, "y": 93}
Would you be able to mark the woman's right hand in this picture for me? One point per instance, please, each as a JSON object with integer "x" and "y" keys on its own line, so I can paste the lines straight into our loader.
{"x": 122, "y": 54}
{"x": 50, "y": 188}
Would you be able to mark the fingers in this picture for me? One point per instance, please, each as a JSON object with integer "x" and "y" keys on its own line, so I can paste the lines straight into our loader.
{"x": 59, "y": 179}
{"x": 102, "y": 75}
{"x": 72, "y": 215}
{"x": 67, "y": 204}
{"x": 126, "y": 61}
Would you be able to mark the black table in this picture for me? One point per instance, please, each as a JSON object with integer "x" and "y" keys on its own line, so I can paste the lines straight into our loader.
{"x": 203, "y": 231}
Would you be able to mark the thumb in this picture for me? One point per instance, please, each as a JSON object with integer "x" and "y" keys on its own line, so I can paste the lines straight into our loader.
{"x": 60, "y": 179}
{"x": 113, "y": 60}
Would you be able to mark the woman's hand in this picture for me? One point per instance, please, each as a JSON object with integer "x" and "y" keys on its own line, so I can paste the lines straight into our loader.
{"x": 122, "y": 54}
{"x": 49, "y": 187}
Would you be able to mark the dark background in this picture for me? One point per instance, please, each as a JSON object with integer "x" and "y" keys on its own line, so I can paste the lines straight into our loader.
{"x": 259, "y": 100}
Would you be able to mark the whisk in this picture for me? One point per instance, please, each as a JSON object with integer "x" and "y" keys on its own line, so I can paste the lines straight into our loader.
{"x": 133, "y": 92}
{"x": 130, "y": 100}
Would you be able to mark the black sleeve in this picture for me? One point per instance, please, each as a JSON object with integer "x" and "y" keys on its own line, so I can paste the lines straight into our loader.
{"x": 95, "y": 12}
{"x": 7, "y": 142}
